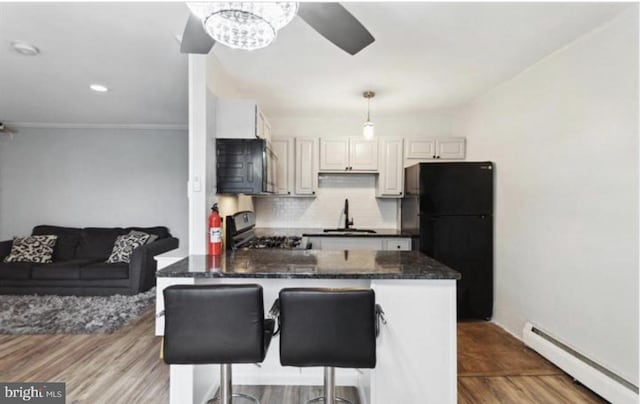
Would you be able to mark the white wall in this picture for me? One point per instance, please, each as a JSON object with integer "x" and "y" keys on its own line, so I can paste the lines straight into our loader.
{"x": 93, "y": 177}
{"x": 564, "y": 137}
{"x": 325, "y": 209}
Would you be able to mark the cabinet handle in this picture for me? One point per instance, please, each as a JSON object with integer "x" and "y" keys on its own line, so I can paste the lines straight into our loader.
{"x": 434, "y": 156}
{"x": 289, "y": 193}
{"x": 350, "y": 168}
{"x": 398, "y": 247}
{"x": 313, "y": 193}
{"x": 346, "y": 169}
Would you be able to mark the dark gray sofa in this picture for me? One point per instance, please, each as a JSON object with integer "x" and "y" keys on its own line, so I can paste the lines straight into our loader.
{"x": 79, "y": 266}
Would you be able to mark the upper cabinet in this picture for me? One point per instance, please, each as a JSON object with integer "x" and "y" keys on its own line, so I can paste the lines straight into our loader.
{"x": 306, "y": 166}
{"x": 263, "y": 127}
{"x": 348, "y": 154}
{"x": 391, "y": 178}
{"x": 241, "y": 119}
{"x": 284, "y": 171}
{"x": 450, "y": 148}
{"x": 297, "y": 167}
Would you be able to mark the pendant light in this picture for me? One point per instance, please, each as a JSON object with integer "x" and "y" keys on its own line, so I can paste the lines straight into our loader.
{"x": 368, "y": 129}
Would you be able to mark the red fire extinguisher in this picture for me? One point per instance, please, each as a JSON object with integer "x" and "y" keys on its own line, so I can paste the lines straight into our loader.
{"x": 215, "y": 232}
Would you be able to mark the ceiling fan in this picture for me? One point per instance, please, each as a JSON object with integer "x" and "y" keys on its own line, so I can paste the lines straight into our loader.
{"x": 259, "y": 22}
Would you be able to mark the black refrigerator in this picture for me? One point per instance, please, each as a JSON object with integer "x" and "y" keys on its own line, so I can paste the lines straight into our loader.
{"x": 448, "y": 210}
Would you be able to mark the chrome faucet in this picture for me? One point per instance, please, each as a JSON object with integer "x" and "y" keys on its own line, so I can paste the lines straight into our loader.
{"x": 347, "y": 222}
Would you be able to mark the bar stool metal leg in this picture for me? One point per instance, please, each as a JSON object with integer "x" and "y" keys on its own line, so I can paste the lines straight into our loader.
{"x": 226, "y": 395}
{"x": 330, "y": 389}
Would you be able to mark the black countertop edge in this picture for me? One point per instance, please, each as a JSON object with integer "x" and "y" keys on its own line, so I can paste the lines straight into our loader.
{"x": 279, "y": 275}
{"x": 311, "y": 264}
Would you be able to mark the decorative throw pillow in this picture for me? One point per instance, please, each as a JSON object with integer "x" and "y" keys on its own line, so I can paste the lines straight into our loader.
{"x": 124, "y": 246}
{"x": 37, "y": 249}
{"x": 151, "y": 239}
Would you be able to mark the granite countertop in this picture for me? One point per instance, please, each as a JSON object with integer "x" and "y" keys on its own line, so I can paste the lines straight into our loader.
{"x": 311, "y": 264}
{"x": 318, "y": 232}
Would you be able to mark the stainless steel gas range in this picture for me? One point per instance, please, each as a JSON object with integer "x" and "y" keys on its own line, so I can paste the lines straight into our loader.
{"x": 240, "y": 233}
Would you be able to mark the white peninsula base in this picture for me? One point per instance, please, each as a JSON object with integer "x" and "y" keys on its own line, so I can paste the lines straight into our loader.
{"x": 416, "y": 352}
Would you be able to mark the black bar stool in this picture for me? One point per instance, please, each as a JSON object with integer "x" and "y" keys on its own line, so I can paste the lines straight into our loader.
{"x": 216, "y": 324}
{"x": 330, "y": 328}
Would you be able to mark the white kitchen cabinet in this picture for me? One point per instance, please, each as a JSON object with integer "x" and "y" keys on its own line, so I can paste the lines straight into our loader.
{"x": 348, "y": 154}
{"x": 263, "y": 127}
{"x": 241, "y": 119}
{"x": 452, "y": 148}
{"x": 363, "y": 154}
{"x": 396, "y": 244}
{"x": 448, "y": 148}
{"x": 367, "y": 243}
{"x": 334, "y": 154}
{"x": 306, "y": 166}
{"x": 284, "y": 171}
{"x": 391, "y": 168}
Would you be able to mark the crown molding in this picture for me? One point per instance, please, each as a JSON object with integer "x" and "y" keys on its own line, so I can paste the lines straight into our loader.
{"x": 134, "y": 126}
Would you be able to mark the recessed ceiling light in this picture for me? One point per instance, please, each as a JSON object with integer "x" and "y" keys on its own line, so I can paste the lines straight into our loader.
{"x": 24, "y": 48}
{"x": 99, "y": 88}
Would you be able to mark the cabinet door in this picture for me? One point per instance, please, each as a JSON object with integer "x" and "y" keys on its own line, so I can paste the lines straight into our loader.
{"x": 397, "y": 244}
{"x": 334, "y": 154}
{"x": 236, "y": 119}
{"x": 284, "y": 169}
{"x": 451, "y": 148}
{"x": 391, "y": 178}
{"x": 422, "y": 149}
{"x": 306, "y": 174}
{"x": 263, "y": 128}
{"x": 347, "y": 243}
{"x": 363, "y": 154}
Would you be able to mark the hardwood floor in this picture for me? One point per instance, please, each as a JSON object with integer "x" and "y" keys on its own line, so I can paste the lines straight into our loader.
{"x": 124, "y": 367}
{"x": 495, "y": 367}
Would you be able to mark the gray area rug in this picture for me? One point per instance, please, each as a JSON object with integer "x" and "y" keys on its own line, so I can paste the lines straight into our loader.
{"x": 33, "y": 314}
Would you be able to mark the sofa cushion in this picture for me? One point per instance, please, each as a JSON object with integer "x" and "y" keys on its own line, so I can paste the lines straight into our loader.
{"x": 15, "y": 270}
{"x": 32, "y": 249}
{"x": 151, "y": 237}
{"x": 160, "y": 231}
{"x": 68, "y": 238}
{"x": 124, "y": 246}
{"x": 102, "y": 270}
{"x": 97, "y": 242}
{"x": 61, "y": 270}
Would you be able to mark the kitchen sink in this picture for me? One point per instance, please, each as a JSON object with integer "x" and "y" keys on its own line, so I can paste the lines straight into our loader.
{"x": 349, "y": 231}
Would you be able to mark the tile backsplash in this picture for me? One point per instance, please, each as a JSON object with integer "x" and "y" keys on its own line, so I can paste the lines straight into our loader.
{"x": 326, "y": 209}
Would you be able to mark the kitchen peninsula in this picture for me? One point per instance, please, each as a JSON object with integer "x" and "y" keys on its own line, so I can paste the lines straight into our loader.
{"x": 416, "y": 353}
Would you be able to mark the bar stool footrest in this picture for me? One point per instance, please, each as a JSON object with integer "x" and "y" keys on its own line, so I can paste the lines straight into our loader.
{"x": 339, "y": 399}
{"x": 249, "y": 397}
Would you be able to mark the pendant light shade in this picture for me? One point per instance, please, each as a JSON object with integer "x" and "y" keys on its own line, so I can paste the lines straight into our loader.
{"x": 368, "y": 129}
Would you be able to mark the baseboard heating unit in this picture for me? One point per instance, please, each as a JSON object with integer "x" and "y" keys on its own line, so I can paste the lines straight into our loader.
{"x": 604, "y": 382}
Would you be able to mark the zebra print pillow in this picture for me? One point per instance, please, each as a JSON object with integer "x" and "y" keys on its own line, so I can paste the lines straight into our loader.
{"x": 37, "y": 249}
{"x": 124, "y": 246}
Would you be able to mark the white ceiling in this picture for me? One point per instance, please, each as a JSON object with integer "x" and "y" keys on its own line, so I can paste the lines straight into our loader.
{"x": 426, "y": 56}
{"x": 130, "y": 47}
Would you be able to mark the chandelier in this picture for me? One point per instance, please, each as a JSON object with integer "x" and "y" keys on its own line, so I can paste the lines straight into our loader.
{"x": 245, "y": 26}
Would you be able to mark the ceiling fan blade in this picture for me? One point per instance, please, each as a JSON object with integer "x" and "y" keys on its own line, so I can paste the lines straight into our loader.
{"x": 195, "y": 39}
{"x": 335, "y": 23}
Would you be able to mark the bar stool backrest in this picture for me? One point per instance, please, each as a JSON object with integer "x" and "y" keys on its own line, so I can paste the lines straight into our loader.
{"x": 211, "y": 324}
{"x": 327, "y": 327}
